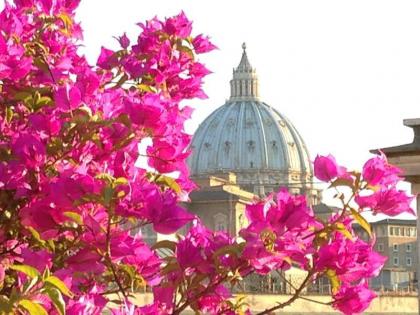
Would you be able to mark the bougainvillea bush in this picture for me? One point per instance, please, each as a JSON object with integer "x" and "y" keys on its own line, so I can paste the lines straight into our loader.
{"x": 72, "y": 200}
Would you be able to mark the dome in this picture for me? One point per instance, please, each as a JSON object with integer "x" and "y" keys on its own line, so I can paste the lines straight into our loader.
{"x": 247, "y": 137}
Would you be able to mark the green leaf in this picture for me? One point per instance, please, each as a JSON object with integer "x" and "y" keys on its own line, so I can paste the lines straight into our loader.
{"x": 105, "y": 177}
{"x": 29, "y": 285}
{"x": 340, "y": 227}
{"x": 121, "y": 181}
{"x": 66, "y": 21}
{"x": 60, "y": 285}
{"x": 9, "y": 114}
{"x": 51, "y": 244}
{"x": 146, "y": 88}
{"x": 74, "y": 216}
{"x": 42, "y": 101}
{"x": 362, "y": 221}
{"x": 335, "y": 282}
{"x": 36, "y": 235}
{"x": 169, "y": 182}
{"x": 57, "y": 299}
{"x": 30, "y": 271}
{"x": 33, "y": 308}
{"x": 186, "y": 50}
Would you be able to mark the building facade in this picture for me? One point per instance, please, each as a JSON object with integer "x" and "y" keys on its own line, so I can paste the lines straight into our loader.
{"x": 396, "y": 239}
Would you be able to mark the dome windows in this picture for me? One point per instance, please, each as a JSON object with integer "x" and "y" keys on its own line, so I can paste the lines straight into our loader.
{"x": 228, "y": 145}
{"x": 249, "y": 123}
{"x": 251, "y": 146}
{"x": 230, "y": 122}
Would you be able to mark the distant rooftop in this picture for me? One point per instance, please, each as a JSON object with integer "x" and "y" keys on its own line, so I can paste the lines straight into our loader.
{"x": 409, "y": 148}
{"x": 395, "y": 222}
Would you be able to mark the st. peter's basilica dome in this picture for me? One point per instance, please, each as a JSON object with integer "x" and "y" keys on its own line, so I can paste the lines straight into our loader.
{"x": 251, "y": 139}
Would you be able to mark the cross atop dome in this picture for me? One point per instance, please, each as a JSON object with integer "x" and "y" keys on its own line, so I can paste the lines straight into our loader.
{"x": 244, "y": 84}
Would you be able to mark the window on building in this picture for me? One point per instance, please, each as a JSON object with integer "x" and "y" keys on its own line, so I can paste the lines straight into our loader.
{"x": 391, "y": 231}
{"x": 397, "y": 231}
{"x": 414, "y": 231}
{"x": 409, "y": 248}
{"x": 408, "y": 231}
{"x": 395, "y": 247}
{"x": 408, "y": 261}
{"x": 380, "y": 247}
{"x": 220, "y": 222}
{"x": 383, "y": 231}
{"x": 396, "y": 261}
{"x": 402, "y": 231}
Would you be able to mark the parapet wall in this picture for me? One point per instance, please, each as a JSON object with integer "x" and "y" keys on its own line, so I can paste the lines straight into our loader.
{"x": 384, "y": 305}
{"x": 389, "y": 305}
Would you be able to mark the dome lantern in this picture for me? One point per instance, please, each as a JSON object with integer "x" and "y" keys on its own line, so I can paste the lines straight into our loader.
{"x": 244, "y": 84}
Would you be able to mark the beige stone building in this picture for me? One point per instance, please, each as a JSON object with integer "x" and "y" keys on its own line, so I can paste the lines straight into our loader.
{"x": 220, "y": 203}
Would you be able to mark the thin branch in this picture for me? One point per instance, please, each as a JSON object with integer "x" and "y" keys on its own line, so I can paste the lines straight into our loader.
{"x": 315, "y": 301}
{"x": 108, "y": 257}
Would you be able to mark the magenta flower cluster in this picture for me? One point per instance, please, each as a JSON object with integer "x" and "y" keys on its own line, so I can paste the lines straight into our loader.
{"x": 73, "y": 203}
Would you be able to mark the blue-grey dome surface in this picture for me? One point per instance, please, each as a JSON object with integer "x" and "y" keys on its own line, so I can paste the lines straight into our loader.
{"x": 247, "y": 135}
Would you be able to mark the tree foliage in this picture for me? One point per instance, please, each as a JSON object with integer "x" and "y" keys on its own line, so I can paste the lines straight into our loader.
{"x": 72, "y": 200}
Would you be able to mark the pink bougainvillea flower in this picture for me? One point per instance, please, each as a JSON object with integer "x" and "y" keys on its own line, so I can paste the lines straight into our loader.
{"x": 40, "y": 259}
{"x": 178, "y": 25}
{"x": 107, "y": 59}
{"x": 86, "y": 260}
{"x": 68, "y": 97}
{"x": 387, "y": 201}
{"x": 29, "y": 149}
{"x": 124, "y": 41}
{"x": 213, "y": 303}
{"x": 327, "y": 169}
{"x": 377, "y": 171}
{"x": 350, "y": 259}
{"x": 91, "y": 303}
{"x": 279, "y": 232}
{"x": 202, "y": 44}
{"x": 162, "y": 210}
{"x": 353, "y": 300}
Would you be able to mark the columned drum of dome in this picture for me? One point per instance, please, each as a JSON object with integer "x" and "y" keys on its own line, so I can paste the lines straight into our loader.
{"x": 251, "y": 139}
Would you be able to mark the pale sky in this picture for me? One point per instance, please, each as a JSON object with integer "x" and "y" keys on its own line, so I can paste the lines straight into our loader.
{"x": 346, "y": 73}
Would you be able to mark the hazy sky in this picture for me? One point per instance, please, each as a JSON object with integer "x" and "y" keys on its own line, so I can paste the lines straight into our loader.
{"x": 346, "y": 73}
